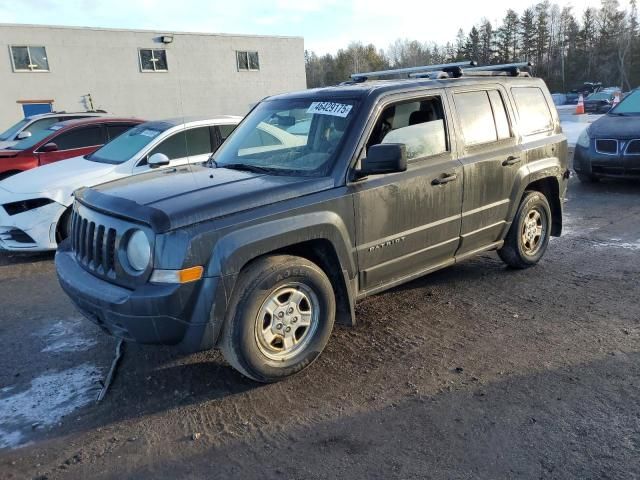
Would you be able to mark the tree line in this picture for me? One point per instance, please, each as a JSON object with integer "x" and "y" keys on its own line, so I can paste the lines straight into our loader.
{"x": 600, "y": 44}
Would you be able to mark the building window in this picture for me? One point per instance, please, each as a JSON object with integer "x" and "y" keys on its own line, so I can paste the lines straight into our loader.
{"x": 153, "y": 60}
{"x": 29, "y": 58}
{"x": 248, "y": 61}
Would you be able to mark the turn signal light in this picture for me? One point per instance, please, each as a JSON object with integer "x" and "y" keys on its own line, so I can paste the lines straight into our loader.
{"x": 186, "y": 275}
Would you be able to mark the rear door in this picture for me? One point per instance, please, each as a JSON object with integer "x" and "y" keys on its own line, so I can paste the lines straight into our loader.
{"x": 409, "y": 222}
{"x": 76, "y": 142}
{"x": 491, "y": 162}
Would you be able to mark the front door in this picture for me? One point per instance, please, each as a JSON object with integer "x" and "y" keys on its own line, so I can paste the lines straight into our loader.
{"x": 409, "y": 222}
{"x": 77, "y": 142}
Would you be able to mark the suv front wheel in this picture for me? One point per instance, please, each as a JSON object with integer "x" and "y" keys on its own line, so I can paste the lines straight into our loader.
{"x": 528, "y": 236}
{"x": 280, "y": 318}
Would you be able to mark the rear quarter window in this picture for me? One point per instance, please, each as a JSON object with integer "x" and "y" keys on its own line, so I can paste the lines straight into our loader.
{"x": 533, "y": 110}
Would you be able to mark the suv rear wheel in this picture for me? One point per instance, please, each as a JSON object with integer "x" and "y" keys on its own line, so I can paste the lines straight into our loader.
{"x": 528, "y": 236}
{"x": 280, "y": 318}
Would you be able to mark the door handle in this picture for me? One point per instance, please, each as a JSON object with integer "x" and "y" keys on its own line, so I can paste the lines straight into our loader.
{"x": 511, "y": 160}
{"x": 444, "y": 179}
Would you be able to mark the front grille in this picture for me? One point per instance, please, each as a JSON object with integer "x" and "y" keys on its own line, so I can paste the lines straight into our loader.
{"x": 633, "y": 148}
{"x": 607, "y": 146}
{"x": 93, "y": 244}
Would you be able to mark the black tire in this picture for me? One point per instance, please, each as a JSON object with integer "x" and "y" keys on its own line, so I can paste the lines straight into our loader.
{"x": 63, "y": 229}
{"x": 515, "y": 252}
{"x": 258, "y": 284}
{"x": 586, "y": 178}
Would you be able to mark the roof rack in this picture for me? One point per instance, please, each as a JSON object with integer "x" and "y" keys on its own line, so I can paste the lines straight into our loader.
{"x": 363, "y": 77}
{"x": 507, "y": 69}
{"x": 521, "y": 69}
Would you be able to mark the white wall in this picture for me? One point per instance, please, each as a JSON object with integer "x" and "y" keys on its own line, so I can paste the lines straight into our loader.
{"x": 202, "y": 79}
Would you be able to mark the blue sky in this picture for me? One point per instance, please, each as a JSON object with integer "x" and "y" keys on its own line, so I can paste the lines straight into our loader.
{"x": 326, "y": 25}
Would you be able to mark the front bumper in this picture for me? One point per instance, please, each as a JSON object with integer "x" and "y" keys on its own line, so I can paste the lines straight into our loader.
{"x": 587, "y": 161}
{"x": 152, "y": 314}
{"x": 33, "y": 230}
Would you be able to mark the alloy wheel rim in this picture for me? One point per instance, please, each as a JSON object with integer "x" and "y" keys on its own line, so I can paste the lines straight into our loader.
{"x": 287, "y": 321}
{"x": 533, "y": 231}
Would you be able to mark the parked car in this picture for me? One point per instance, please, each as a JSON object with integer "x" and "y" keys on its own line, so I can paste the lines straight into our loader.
{"x": 258, "y": 251}
{"x": 32, "y": 124}
{"x": 610, "y": 146}
{"x": 35, "y": 211}
{"x": 61, "y": 141}
{"x": 600, "y": 102}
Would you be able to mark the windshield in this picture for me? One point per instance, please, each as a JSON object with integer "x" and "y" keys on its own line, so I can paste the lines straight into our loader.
{"x": 125, "y": 146}
{"x": 288, "y": 136}
{"x": 36, "y": 137}
{"x": 35, "y": 126}
{"x": 599, "y": 96}
{"x": 630, "y": 105}
{"x": 13, "y": 130}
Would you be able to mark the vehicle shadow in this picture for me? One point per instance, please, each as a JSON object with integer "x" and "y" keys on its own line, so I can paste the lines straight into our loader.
{"x": 20, "y": 258}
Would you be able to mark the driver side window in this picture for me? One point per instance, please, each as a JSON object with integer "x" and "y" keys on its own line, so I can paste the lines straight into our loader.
{"x": 419, "y": 124}
{"x": 173, "y": 147}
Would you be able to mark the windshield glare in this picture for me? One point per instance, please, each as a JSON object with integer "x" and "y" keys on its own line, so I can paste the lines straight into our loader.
{"x": 300, "y": 136}
{"x": 9, "y": 133}
{"x": 630, "y": 104}
{"x": 125, "y": 146}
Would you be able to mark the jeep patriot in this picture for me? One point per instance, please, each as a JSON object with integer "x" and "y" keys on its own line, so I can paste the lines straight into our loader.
{"x": 261, "y": 249}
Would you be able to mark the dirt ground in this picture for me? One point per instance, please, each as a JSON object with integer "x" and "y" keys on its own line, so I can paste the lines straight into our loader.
{"x": 476, "y": 371}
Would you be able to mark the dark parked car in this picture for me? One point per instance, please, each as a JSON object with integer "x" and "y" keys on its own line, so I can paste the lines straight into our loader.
{"x": 610, "y": 146}
{"x": 600, "y": 102}
{"x": 260, "y": 250}
{"x": 60, "y": 141}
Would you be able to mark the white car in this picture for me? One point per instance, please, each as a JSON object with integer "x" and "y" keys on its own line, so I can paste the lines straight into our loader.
{"x": 29, "y": 125}
{"x": 35, "y": 204}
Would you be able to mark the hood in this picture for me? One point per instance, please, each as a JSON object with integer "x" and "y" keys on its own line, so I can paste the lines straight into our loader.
{"x": 67, "y": 175}
{"x": 615, "y": 126}
{"x": 6, "y": 144}
{"x": 178, "y": 197}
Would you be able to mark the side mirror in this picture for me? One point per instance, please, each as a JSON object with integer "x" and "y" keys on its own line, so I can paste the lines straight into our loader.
{"x": 158, "y": 160}
{"x": 384, "y": 158}
{"x": 49, "y": 147}
{"x": 23, "y": 134}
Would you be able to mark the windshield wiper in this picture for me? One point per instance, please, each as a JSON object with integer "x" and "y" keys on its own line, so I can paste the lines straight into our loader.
{"x": 247, "y": 167}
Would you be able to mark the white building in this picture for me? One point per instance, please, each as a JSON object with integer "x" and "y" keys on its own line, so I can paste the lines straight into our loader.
{"x": 149, "y": 74}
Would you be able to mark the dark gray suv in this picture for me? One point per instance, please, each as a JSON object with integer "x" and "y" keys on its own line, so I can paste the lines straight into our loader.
{"x": 262, "y": 248}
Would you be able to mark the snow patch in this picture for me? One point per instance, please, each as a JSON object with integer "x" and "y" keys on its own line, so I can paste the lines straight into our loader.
{"x": 65, "y": 336}
{"x": 48, "y": 399}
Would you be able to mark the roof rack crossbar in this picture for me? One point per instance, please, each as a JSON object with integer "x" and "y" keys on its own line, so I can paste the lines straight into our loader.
{"x": 361, "y": 77}
{"x": 503, "y": 67}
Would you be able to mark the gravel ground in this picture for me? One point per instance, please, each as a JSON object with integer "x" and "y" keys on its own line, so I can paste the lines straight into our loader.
{"x": 476, "y": 371}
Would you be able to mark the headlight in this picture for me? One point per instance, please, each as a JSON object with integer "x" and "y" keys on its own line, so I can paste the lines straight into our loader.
{"x": 584, "y": 140}
{"x": 14, "y": 208}
{"x": 138, "y": 251}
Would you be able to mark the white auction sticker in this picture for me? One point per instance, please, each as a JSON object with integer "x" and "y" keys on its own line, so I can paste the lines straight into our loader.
{"x": 150, "y": 133}
{"x": 330, "y": 108}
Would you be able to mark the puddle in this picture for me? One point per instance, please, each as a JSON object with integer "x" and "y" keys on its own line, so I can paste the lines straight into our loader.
{"x": 45, "y": 402}
{"x": 66, "y": 336}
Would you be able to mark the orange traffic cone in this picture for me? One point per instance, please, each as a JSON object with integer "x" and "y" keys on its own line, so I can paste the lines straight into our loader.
{"x": 580, "y": 106}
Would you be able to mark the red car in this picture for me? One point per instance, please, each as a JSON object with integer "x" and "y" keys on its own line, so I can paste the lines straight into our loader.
{"x": 72, "y": 138}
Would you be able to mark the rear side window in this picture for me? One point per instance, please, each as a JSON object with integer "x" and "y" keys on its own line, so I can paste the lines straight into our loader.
{"x": 476, "y": 117}
{"x": 500, "y": 114}
{"x": 80, "y": 138}
{"x": 533, "y": 110}
{"x": 225, "y": 131}
{"x": 198, "y": 141}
